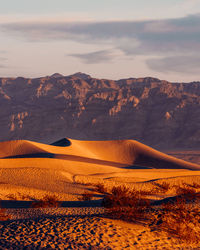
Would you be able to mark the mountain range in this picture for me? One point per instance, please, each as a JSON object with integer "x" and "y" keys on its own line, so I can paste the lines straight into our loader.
{"x": 159, "y": 113}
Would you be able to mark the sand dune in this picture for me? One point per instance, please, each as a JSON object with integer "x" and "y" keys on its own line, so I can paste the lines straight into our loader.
{"x": 37, "y": 167}
{"x": 122, "y": 152}
{"x": 31, "y": 170}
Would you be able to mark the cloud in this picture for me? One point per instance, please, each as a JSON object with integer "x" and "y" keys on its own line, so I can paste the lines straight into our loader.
{"x": 2, "y": 61}
{"x": 168, "y": 38}
{"x": 95, "y": 57}
{"x": 2, "y": 65}
{"x": 3, "y": 51}
{"x": 152, "y": 36}
{"x": 180, "y": 64}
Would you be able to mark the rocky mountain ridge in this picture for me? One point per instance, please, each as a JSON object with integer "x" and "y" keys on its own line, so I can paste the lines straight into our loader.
{"x": 155, "y": 112}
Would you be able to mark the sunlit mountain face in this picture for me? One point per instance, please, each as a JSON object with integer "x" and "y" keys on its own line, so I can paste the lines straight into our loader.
{"x": 158, "y": 113}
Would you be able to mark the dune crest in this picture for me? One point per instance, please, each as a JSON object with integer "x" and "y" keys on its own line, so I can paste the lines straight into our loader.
{"x": 32, "y": 168}
{"x": 125, "y": 152}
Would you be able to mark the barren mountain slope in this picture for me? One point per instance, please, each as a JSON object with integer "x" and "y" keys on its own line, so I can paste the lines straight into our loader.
{"x": 158, "y": 113}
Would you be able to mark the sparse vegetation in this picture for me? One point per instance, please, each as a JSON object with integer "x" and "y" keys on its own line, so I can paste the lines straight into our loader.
{"x": 124, "y": 204}
{"x": 180, "y": 220}
{"x": 100, "y": 188}
{"x": 162, "y": 187}
{"x": 3, "y": 215}
{"x": 26, "y": 197}
{"x": 193, "y": 185}
{"x": 46, "y": 201}
{"x": 86, "y": 196}
{"x": 185, "y": 191}
{"x": 11, "y": 197}
{"x": 19, "y": 196}
{"x": 188, "y": 192}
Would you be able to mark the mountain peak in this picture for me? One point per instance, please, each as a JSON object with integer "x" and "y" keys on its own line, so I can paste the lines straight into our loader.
{"x": 81, "y": 75}
{"x": 56, "y": 75}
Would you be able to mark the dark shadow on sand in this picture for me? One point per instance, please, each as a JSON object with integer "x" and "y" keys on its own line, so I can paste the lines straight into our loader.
{"x": 77, "y": 159}
{"x": 62, "y": 143}
{"x": 27, "y": 204}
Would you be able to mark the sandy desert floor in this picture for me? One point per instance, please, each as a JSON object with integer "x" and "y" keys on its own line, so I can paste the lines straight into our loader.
{"x": 29, "y": 171}
{"x": 81, "y": 229}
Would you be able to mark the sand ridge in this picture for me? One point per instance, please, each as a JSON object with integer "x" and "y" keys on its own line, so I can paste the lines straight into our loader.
{"x": 127, "y": 152}
{"x": 46, "y": 168}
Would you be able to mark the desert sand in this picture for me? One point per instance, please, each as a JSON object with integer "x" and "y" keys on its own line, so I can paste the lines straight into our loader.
{"x": 83, "y": 232}
{"x": 30, "y": 170}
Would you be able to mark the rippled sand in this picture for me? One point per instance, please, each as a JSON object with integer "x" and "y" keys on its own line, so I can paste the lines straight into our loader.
{"x": 78, "y": 228}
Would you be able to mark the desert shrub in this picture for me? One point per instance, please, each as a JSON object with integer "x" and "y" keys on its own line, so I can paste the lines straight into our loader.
{"x": 147, "y": 192}
{"x": 157, "y": 188}
{"x": 86, "y": 196}
{"x": 161, "y": 187}
{"x": 164, "y": 186}
{"x": 100, "y": 188}
{"x": 193, "y": 185}
{"x": 46, "y": 201}
{"x": 187, "y": 192}
{"x": 11, "y": 196}
{"x": 26, "y": 197}
{"x": 180, "y": 220}
{"x": 3, "y": 215}
{"x": 124, "y": 204}
{"x": 119, "y": 196}
{"x": 19, "y": 196}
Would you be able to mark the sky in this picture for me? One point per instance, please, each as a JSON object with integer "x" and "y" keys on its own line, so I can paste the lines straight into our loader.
{"x": 110, "y": 39}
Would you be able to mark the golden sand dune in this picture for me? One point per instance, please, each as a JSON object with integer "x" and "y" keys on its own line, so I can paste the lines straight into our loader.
{"x": 117, "y": 153}
{"x": 37, "y": 167}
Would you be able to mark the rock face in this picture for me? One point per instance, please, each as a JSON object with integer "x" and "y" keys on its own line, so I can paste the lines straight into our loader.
{"x": 158, "y": 113}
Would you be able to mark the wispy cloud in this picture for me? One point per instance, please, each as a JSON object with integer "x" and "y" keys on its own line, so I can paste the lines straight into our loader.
{"x": 169, "y": 38}
{"x": 2, "y": 60}
{"x": 151, "y": 35}
{"x": 181, "y": 64}
{"x": 95, "y": 57}
{"x": 2, "y": 65}
{"x": 3, "y": 52}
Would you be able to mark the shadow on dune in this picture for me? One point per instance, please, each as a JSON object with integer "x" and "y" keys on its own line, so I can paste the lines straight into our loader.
{"x": 27, "y": 204}
{"x": 127, "y": 154}
{"x": 72, "y": 158}
{"x": 62, "y": 143}
{"x": 136, "y": 167}
{"x": 37, "y": 155}
{"x": 141, "y": 162}
{"x": 153, "y": 162}
{"x": 173, "y": 199}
